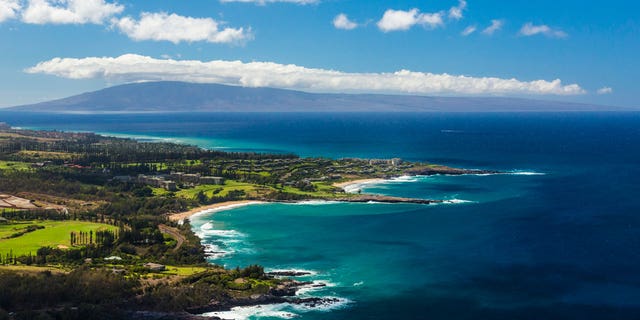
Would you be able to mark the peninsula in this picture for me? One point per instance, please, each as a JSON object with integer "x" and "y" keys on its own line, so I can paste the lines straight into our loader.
{"x": 102, "y": 211}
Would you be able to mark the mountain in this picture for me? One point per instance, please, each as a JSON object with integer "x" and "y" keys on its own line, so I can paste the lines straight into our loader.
{"x": 191, "y": 97}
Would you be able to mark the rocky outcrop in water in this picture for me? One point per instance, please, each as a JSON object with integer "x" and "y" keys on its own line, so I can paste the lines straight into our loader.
{"x": 288, "y": 273}
{"x": 283, "y": 293}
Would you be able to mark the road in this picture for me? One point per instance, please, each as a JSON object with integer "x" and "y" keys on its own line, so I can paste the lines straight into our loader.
{"x": 173, "y": 233}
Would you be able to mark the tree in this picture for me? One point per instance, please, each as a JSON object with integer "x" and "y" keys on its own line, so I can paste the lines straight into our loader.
{"x": 201, "y": 197}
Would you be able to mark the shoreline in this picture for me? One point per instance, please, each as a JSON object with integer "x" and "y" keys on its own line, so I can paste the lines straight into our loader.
{"x": 345, "y": 184}
{"x": 180, "y": 216}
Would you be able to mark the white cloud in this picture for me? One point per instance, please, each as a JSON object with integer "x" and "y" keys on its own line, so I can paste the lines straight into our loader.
{"x": 398, "y": 20}
{"x": 456, "y": 12}
{"x": 175, "y": 28}
{"x": 264, "y": 2}
{"x": 469, "y": 30}
{"x": 605, "y": 90}
{"x": 69, "y": 11}
{"x": 131, "y": 67}
{"x": 8, "y": 9}
{"x": 495, "y": 26}
{"x": 531, "y": 30}
{"x": 341, "y": 21}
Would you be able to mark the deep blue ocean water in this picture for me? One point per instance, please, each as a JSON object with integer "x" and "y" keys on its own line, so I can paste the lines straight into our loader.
{"x": 563, "y": 243}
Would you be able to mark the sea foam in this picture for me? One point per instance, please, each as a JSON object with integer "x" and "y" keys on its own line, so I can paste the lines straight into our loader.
{"x": 358, "y": 186}
{"x": 243, "y": 313}
{"x": 526, "y": 173}
{"x": 309, "y": 273}
{"x": 204, "y": 212}
{"x": 280, "y": 310}
{"x": 457, "y": 201}
{"x": 313, "y": 202}
{"x": 314, "y": 286}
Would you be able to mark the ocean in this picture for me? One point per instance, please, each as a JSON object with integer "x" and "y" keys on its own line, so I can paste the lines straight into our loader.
{"x": 557, "y": 238}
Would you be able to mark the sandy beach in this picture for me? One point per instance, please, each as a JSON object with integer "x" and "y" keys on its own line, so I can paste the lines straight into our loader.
{"x": 359, "y": 181}
{"x": 188, "y": 214}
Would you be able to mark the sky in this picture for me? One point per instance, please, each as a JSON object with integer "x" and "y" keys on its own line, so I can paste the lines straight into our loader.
{"x": 566, "y": 50}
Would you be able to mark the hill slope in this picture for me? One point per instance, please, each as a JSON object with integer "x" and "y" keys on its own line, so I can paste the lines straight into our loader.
{"x": 191, "y": 97}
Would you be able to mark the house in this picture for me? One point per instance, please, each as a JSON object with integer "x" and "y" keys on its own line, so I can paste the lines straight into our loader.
{"x": 158, "y": 182}
{"x": 123, "y": 178}
{"x": 195, "y": 178}
{"x": 393, "y": 162}
{"x": 38, "y": 165}
{"x": 155, "y": 267}
{"x": 169, "y": 185}
{"x": 211, "y": 180}
{"x": 185, "y": 177}
{"x": 3, "y": 220}
{"x": 113, "y": 258}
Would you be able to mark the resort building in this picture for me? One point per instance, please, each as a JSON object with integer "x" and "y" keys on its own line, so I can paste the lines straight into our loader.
{"x": 195, "y": 178}
{"x": 158, "y": 182}
{"x": 393, "y": 162}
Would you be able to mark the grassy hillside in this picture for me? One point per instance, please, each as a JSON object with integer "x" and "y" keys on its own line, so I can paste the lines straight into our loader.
{"x": 54, "y": 234}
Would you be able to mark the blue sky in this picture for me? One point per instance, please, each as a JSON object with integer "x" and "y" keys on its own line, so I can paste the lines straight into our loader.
{"x": 584, "y": 51}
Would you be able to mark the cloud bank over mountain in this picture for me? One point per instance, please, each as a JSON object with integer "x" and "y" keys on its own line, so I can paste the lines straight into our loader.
{"x": 136, "y": 68}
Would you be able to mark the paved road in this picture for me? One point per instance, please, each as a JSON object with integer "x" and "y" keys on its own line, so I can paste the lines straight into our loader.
{"x": 173, "y": 233}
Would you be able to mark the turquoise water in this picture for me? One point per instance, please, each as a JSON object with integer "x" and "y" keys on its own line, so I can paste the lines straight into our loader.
{"x": 560, "y": 244}
{"x": 367, "y": 252}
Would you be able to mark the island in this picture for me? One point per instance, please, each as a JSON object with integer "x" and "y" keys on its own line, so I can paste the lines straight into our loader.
{"x": 97, "y": 226}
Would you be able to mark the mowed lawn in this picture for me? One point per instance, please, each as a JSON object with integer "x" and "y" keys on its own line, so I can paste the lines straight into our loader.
{"x": 54, "y": 234}
{"x": 223, "y": 190}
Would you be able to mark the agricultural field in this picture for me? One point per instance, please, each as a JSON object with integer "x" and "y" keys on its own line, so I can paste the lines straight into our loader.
{"x": 54, "y": 234}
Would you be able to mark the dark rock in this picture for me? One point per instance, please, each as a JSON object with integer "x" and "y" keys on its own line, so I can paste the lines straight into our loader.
{"x": 288, "y": 273}
{"x": 288, "y": 288}
{"x": 386, "y": 199}
{"x": 152, "y": 315}
{"x": 433, "y": 170}
{"x": 314, "y": 302}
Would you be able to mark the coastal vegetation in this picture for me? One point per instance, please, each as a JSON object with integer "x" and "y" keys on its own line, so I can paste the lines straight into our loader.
{"x": 85, "y": 222}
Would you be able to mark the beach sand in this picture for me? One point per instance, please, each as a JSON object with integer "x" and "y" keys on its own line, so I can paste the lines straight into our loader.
{"x": 359, "y": 181}
{"x": 188, "y": 214}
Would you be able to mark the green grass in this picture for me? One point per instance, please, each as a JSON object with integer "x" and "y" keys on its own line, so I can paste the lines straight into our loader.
{"x": 259, "y": 173}
{"x": 160, "y": 191}
{"x": 324, "y": 187}
{"x": 183, "y": 271}
{"x": 159, "y": 165}
{"x": 14, "y": 165}
{"x": 322, "y": 190}
{"x": 229, "y": 185}
{"x": 54, "y": 234}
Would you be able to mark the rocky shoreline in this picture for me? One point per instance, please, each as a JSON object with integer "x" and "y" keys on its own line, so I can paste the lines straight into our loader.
{"x": 422, "y": 171}
{"x": 385, "y": 199}
{"x": 283, "y": 293}
{"x": 435, "y": 170}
